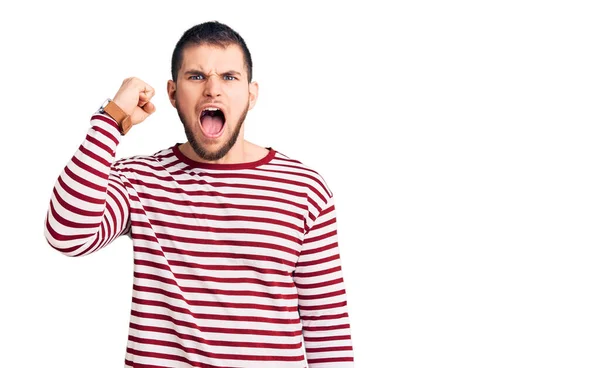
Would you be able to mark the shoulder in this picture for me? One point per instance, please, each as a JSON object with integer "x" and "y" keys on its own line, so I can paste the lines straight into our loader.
{"x": 151, "y": 160}
{"x": 319, "y": 195}
{"x": 307, "y": 175}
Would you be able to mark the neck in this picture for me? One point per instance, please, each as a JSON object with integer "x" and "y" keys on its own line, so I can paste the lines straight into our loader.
{"x": 239, "y": 153}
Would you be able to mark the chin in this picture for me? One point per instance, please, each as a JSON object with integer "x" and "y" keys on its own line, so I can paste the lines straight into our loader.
{"x": 215, "y": 148}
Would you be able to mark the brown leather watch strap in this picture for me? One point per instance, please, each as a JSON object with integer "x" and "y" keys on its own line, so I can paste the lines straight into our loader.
{"x": 122, "y": 119}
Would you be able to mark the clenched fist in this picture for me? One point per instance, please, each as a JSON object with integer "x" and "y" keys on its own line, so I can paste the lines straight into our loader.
{"x": 134, "y": 99}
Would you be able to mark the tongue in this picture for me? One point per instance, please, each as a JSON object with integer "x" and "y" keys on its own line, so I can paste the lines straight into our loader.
{"x": 212, "y": 124}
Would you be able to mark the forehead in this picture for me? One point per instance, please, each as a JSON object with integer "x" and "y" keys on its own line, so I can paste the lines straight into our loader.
{"x": 213, "y": 57}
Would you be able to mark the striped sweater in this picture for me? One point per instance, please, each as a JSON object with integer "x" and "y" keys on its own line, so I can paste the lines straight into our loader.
{"x": 235, "y": 265}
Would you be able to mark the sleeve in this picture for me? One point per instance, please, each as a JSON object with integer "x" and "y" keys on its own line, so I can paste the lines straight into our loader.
{"x": 89, "y": 207}
{"x": 322, "y": 295}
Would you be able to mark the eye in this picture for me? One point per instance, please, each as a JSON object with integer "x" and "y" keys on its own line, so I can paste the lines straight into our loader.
{"x": 230, "y": 76}
{"x": 196, "y": 76}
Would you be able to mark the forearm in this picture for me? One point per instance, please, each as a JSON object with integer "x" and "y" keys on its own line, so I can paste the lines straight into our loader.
{"x": 326, "y": 324}
{"x": 322, "y": 296}
{"x": 88, "y": 206}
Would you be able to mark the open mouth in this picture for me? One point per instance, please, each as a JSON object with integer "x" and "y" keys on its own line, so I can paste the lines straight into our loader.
{"x": 212, "y": 121}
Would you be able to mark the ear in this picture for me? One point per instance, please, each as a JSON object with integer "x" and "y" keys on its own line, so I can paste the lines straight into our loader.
{"x": 253, "y": 94}
{"x": 171, "y": 87}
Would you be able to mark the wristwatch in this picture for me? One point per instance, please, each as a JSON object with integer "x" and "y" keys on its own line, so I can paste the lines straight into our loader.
{"x": 113, "y": 110}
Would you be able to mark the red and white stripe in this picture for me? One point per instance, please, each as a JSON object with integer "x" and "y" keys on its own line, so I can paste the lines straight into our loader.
{"x": 234, "y": 265}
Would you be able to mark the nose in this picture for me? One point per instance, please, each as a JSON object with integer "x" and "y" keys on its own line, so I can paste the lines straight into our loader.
{"x": 212, "y": 87}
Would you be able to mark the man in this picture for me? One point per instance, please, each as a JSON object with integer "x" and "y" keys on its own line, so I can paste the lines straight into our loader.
{"x": 236, "y": 262}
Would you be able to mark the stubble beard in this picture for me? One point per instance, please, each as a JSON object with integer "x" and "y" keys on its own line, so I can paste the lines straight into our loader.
{"x": 201, "y": 151}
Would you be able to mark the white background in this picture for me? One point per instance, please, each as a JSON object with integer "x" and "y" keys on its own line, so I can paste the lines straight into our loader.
{"x": 460, "y": 139}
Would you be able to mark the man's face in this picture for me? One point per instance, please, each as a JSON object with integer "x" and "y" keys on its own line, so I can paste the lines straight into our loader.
{"x": 212, "y": 78}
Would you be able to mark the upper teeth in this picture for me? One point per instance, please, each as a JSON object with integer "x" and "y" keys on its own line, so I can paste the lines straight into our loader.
{"x": 212, "y": 109}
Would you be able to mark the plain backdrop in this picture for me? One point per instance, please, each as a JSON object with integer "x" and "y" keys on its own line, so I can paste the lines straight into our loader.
{"x": 460, "y": 139}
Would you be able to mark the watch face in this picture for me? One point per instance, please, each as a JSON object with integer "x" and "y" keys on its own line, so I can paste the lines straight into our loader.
{"x": 101, "y": 109}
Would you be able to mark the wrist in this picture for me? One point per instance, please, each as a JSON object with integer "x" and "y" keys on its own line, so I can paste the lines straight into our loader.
{"x": 112, "y": 109}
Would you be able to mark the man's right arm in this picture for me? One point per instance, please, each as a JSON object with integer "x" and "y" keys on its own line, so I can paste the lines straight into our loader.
{"x": 89, "y": 206}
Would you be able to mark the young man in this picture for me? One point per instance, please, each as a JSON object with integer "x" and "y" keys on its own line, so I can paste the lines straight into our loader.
{"x": 236, "y": 261}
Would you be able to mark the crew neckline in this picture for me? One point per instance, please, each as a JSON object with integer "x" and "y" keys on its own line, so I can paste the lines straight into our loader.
{"x": 208, "y": 165}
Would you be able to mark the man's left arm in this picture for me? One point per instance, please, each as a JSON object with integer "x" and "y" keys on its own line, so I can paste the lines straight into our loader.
{"x": 322, "y": 295}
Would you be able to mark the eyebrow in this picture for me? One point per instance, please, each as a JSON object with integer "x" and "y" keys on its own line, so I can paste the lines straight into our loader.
{"x": 195, "y": 71}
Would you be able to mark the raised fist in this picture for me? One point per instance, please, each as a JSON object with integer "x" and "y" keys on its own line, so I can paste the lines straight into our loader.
{"x": 134, "y": 99}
